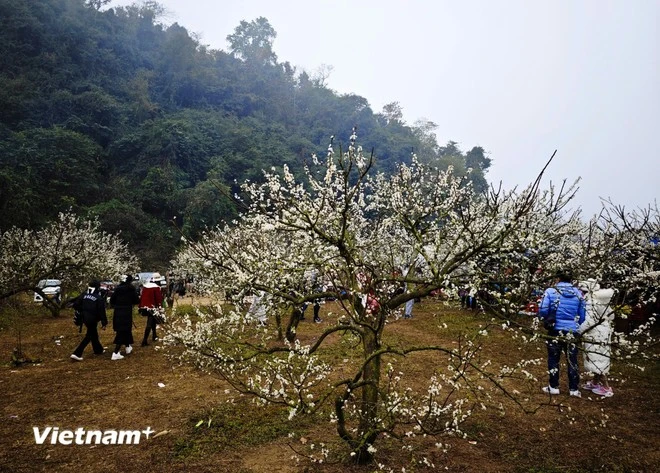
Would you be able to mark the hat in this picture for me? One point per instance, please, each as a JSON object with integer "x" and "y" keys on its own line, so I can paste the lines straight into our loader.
{"x": 590, "y": 285}
{"x": 126, "y": 278}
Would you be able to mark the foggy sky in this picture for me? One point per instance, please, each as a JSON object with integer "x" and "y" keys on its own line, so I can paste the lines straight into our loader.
{"x": 519, "y": 78}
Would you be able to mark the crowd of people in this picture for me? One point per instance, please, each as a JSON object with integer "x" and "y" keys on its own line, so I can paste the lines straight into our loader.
{"x": 91, "y": 305}
{"x": 576, "y": 317}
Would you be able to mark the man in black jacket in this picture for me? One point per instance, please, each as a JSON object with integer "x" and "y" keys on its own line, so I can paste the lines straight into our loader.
{"x": 92, "y": 306}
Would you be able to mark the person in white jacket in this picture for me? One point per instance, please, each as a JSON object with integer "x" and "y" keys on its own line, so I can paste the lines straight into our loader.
{"x": 257, "y": 310}
{"x": 597, "y": 336}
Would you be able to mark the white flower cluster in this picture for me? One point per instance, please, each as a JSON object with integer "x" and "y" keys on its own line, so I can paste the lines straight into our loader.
{"x": 70, "y": 249}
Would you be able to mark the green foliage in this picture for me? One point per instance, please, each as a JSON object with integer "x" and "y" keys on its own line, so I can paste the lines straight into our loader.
{"x": 107, "y": 111}
{"x": 207, "y": 205}
{"x": 47, "y": 171}
{"x": 253, "y": 41}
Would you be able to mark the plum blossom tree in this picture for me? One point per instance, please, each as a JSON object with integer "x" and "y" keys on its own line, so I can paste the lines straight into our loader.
{"x": 377, "y": 241}
{"x": 623, "y": 247}
{"x": 70, "y": 249}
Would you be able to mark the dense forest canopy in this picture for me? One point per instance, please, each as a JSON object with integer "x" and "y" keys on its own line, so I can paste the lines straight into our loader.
{"x": 111, "y": 113}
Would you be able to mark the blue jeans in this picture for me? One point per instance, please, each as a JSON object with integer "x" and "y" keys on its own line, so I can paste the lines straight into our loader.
{"x": 409, "y": 307}
{"x": 555, "y": 348}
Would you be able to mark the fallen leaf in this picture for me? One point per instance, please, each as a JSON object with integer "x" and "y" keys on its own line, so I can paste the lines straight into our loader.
{"x": 162, "y": 432}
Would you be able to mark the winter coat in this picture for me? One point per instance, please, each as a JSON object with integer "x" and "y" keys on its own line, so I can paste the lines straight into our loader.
{"x": 151, "y": 296}
{"x": 92, "y": 306}
{"x": 257, "y": 309}
{"x": 569, "y": 304}
{"x": 123, "y": 299}
{"x": 597, "y": 327}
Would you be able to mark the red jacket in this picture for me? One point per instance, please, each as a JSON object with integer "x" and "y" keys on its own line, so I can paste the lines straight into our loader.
{"x": 151, "y": 296}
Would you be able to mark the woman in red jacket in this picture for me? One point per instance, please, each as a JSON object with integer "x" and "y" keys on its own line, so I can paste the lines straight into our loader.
{"x": 151, "y": 300}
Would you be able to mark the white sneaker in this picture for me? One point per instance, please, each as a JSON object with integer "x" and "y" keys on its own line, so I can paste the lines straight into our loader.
{"x": 76, "y": 358}
{"x": 575, "y": 393}
{"x": 550, "y": 390}
{"x": 129, "y": 349}
{"x": 117, "y": 356}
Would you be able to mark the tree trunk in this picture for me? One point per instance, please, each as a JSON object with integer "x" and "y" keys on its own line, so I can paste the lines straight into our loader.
{"x": 294, "y": 318}
{"x": 368, "y": 427}
{"x": 53, "y": 306}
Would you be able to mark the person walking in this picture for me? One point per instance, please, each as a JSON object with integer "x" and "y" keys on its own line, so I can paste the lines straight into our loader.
{"x": 122, "y": 300}
{"x": 597, "y": 336}
{"x": 91, "y": 305}
{"x": 151, "y": 300}
{"x": 312, "y": 283}
{"x": 562, "y": 310}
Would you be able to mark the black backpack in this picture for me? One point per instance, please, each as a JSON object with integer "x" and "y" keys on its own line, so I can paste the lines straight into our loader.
{"x": 550, "y": 319}
{"x": 78, "y": 319}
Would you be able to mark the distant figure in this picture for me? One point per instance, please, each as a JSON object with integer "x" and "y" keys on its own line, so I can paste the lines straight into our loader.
{"x": 597, "y": 336}
{"x": 311, "y": 282}
{"x": 464, "y": 296}
{"x": 122, "y": 300}
{"x": 92, "y": 306}
{"x": 179, "y": 289}
{"x": 407, "y": 312}
{"x": 562, "y": 311}
{"x": 472, "y": 299}
{"x": 257, "y": 309}
{"x": 151, "y": 300}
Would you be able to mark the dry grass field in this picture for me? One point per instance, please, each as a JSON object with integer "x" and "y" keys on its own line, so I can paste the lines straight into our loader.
{"x": 199, "y": 431}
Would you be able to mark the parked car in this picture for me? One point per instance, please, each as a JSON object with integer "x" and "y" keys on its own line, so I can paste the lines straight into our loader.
{"x": 52, "y": 289}
{"x": 160, "y": 280}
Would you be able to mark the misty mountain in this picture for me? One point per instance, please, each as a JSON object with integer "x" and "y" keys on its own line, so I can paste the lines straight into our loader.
{"x": 114, "y": 114}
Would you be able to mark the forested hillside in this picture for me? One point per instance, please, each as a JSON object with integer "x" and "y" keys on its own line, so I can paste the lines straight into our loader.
{"x": 113, "y": 114}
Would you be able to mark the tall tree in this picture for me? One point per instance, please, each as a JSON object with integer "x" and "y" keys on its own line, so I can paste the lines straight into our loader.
{"x": 253, "y": 41}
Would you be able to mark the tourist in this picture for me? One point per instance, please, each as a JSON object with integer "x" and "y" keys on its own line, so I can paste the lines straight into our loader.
{"x": 562, "y": 310}
{"x": 597, "y": 336}
{"x": 151, "y": 300}
{"x": 91, "y": 305}
{"x": 122, "y": 300}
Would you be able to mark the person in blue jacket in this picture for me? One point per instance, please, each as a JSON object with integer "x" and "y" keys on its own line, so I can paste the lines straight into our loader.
{"x": 562, "y": 311}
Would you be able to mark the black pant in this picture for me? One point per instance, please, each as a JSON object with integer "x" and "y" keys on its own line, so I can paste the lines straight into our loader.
{"x": 555, "y": 348}
{"x": 317, "y": 308}
{"x": 151, "y": 327}
{"x": 92, "y": 335}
